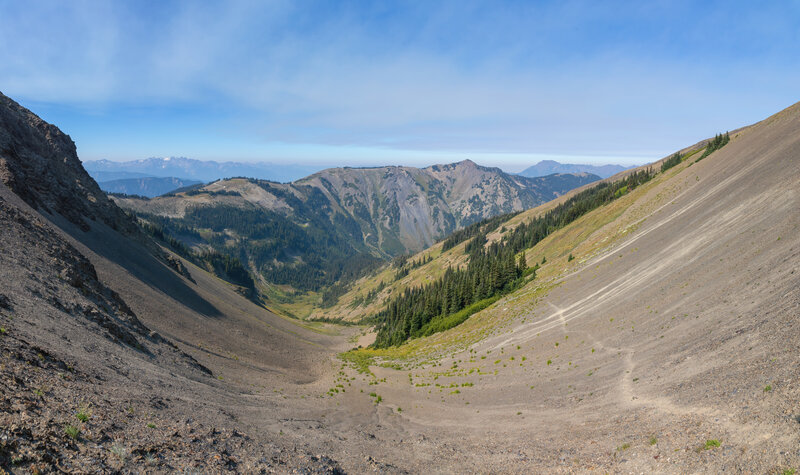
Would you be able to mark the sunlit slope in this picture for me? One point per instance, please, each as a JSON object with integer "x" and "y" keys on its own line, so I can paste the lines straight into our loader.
{"x": 591, "y": 235}
{"x": 665, "y": 345}
{"x": 371, "y": 293}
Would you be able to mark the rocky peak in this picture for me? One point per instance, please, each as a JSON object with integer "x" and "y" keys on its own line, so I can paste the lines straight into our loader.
{"x": 40, "y": 164}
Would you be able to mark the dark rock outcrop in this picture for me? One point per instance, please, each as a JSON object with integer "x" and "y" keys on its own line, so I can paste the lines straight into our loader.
{"x": 40, "y": 164}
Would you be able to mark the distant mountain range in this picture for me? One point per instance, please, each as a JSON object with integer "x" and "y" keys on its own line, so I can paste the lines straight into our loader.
{"x": 309, "y": 230}
{"x": 145, "y": 186}
{"x": 548, "y": 167}
{"x": 191, "y": 169}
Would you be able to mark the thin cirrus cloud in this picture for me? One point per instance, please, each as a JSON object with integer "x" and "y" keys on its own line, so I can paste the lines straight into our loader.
{"x": 331, "y": 80}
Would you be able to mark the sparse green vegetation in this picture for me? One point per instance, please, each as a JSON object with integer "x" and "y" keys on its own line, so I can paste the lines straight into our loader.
{"x": 624, "y": 446}
{"x": 653, "y": 440}
{"x": 83, "y": 413}
{"x": 711, "y": 443}
{"x": 72, "y": 431}
{"x": 768, "y": 388}
{"x": 120, "y": 451}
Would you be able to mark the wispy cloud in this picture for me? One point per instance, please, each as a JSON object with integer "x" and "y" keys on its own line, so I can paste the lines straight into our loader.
{"x": 575, "y": 78}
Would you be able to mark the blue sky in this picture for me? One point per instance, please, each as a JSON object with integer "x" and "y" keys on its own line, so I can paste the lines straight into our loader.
{"x": 363, "y": 83}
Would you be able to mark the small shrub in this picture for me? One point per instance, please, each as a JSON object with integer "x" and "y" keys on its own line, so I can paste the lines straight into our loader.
{"x": 570, "y": 258}
{"x": 624, "y": 446}
{"x": 653, "y": 440}
{"x": 151, "y": 425}
{"x": 768, "y": 388}
{"x": 711, "y": 443}
{"x": 119, "y": 451}
{"x": 549, "y": 362}
{"x": 83, "y": 414}
{"x": 72, "y": 431}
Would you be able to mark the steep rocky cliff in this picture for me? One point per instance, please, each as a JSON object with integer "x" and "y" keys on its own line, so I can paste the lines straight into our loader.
{"x": 40, "y": 164}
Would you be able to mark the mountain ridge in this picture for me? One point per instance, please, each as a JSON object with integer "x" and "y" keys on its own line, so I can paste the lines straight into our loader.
{"x": 337, "y": 223}
{"x": 201, "y": 170}
{"x": 149, "y": 187}
{"x": 389, "y": 195}
{"x": 548, "y": 167}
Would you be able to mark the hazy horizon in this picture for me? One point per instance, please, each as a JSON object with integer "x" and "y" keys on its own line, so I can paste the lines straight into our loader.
{"x": 510, "y": 168}
{"x": 502, "y": 83}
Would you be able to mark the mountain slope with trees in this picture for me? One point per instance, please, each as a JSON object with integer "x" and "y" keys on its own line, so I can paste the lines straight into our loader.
{"x": 336, "y": 224}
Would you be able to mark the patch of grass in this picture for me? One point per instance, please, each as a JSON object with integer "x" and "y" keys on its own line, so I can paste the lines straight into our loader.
{"x": 120, "y": 451}
{"x": 768, "y": 388}
{"x": 710, "y": 444}
{"x": 789, "y": 471}
{"x": 3, "y": 330}
{"x": 151, "y": 425}
{"x": 72, "y": 431}
{"x": 84, "y": 413}
{"x": 361, "y": 360}
{"x": 549, "y": 362}
{"x": 653, "y": 440}
{"x": 624, "y": 446}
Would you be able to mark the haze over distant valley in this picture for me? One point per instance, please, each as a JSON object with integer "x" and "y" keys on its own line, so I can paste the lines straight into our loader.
{"x": 199, "y": 170}
{"x": 547, "y": 167}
